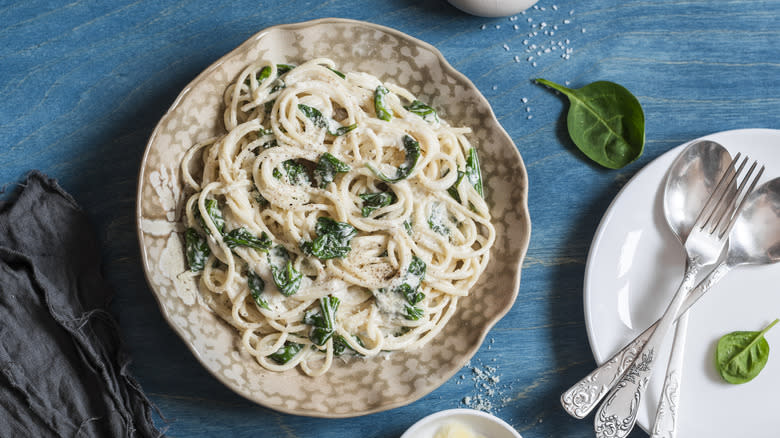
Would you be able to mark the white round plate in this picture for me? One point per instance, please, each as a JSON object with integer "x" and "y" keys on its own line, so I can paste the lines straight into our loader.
{"x": 633, "y": 269}
{"x": 479, "y": 422}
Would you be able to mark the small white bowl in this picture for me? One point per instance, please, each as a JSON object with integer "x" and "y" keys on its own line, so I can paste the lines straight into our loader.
{"x": 492, "y": 8}
{"x": 480, "y": 422}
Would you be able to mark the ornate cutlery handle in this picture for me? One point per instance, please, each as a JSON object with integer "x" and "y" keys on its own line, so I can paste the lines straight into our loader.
{"x": 579, "y": 400}
{"x": 586, "y": 394}
{"x": 617, "y": 415}
{"x": 665, "y": 425}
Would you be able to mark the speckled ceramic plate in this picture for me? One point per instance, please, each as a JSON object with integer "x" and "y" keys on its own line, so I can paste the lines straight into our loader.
{"x": 360, "y": 386}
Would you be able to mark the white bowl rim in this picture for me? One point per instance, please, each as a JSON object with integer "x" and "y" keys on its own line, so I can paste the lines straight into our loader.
{"x": 441, "y": 415}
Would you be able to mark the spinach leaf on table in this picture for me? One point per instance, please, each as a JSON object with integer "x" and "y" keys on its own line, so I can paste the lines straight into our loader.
{"x": 322, "y": 320}
{"x": 286, "y": 352}
{"x": 197, "y": 249}
{"x": 332, "y": 239}
{"x": 741, "y": 355}
{"x": 286, "y": 278}
{"x": 605, "y": 121}
{"x": 327, "y": 168}
{"x": 242, "y": 237}
{"x": 412, "y": 148}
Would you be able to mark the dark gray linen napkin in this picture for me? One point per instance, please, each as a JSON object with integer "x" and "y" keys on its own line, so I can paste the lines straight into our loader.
{"x": 63, "y": 372}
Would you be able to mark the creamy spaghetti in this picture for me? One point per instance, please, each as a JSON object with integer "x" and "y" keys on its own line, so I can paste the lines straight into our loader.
{"x": 338, "y": 216}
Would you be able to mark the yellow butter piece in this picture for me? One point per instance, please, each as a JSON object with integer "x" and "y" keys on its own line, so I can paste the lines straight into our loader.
{"x": 456, "y": 430}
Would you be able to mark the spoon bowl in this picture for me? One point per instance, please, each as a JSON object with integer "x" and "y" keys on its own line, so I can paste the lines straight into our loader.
{"x": 690, "y": 181}
{"x": 755, "y": 238}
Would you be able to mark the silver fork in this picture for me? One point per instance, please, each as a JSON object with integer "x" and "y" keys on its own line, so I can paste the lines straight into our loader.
{"x": 704, "y": 245}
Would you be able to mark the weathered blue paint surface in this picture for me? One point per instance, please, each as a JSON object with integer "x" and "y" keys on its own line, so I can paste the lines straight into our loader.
{"x": 83, "y": 83}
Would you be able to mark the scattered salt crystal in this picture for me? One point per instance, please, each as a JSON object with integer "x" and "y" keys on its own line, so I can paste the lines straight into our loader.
{"x": 524, "y": 100}
{"x": 495, "y": 87}
{"x": 555, "y": 7}
{"x": 566, "y": 21}
{"x": 498, "y": 26}
{"x": 516, "y": 27}
{"x": 506, "y": 47}
{"x": 517, "y": 58}
{"x": 482, "y": 27}
{"x": 534, "y": 64}
{"x": 583, "y": 30}
{"x": 528, "y": 109}
{"x": 530, "y": 19}
{"x": 530, "y": 117}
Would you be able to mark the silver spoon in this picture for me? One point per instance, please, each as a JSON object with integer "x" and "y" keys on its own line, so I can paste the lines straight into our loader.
{"x": 691, "y": 179}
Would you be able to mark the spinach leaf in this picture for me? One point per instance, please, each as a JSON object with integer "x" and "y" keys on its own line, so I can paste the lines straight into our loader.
{"x": 426, "y": 112}
{"x": 412, "y": 148}
{"x": 408, "y": 227}
{"x": 283, "y": 68}
{"x": 380, "y": 105}
{"x": 338, "y": 73}
{"x": 314, "y": 115}
{"x": 473, "y": 172}
{"x": 605, "y": 121}
{"x": 410, "y": 288}
{"x": 413, "y": 313}
{"x": 322, "y": 321}
{"x": 286, "y": 278}
{"x": 341, "y": 130}
{"x": 327, "y": 168}
{"x": 262, "y": 132}
{"x": 286, "y": 352}
{"x": 374, "y": 201}
{"x": 320, "y": 121}
{"x": 473, "y": 175}
{"x": 437, "y": 220}
{"x": 740, "y": 356}
{"x": 197, "y": 249}
{"x": 242, "y": 237}
{"x": 295, "y": 171}
{"x": 332, "y": 239}
{"x": 268, "y": 106}
{"x": 340, "y": 345}
{"x": 214, "y": 213}
{"x": 256, "y": 288}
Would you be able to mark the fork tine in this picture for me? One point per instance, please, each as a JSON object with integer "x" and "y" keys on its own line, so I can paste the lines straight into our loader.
{"x": 741, "y": 203}
{"x": 726, "y": 198}
{"x": 718, "y": 193}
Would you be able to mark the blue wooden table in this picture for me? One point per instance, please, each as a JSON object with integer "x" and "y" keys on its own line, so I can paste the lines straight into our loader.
{"x": 83, "y": 83}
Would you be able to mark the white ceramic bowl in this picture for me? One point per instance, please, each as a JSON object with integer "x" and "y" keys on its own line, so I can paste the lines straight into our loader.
{"x": 480, "y": 422}
{"x": 492, "y": 8}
